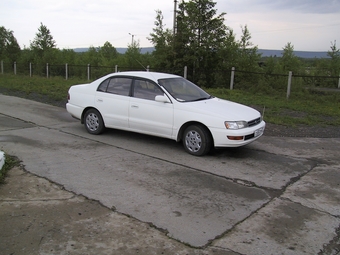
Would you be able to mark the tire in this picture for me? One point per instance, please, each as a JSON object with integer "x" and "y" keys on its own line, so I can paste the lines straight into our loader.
{"x": 197, "y": 140}
{"x": 93, "y": 122}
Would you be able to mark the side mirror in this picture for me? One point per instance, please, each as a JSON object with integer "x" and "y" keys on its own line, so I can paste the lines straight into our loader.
{"x": 162, "y": 99}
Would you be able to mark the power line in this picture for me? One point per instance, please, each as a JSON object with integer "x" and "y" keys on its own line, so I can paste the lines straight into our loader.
{"x": 296, "y": 28}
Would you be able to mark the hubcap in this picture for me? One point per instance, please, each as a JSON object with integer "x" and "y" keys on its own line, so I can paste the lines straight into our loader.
{"x": 92, "y": 122}
{"x": 193, "y": 141}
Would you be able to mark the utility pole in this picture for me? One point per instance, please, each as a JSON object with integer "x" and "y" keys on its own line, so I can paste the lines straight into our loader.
{"x": 132, "y": 36}
{"x": 174, "y": 31}
{"x": 175, "y": 12}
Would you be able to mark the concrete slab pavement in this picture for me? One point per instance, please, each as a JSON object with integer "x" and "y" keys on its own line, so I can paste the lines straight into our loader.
{"x": 168, "y": 195}
{"x": 282, "y": 227}
{"x": 40, "y": 217}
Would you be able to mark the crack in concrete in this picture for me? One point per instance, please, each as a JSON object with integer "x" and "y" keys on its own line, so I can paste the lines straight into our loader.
{"x": 333, "y": 247}
{"x": 37, "y": 200}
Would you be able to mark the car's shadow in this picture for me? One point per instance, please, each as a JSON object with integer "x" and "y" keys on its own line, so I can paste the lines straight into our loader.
{"x": 231, "y": 152}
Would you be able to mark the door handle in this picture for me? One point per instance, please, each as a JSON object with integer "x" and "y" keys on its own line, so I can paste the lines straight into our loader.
{"x": 134, "y": 106}
{"x": 99, "y": 100}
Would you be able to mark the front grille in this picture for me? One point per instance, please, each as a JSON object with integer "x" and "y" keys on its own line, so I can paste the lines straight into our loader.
{"x": 254, "y": 122}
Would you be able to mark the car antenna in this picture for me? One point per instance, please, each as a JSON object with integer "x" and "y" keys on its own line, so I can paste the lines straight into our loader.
{"x": 141, "y": 65}
{"x": 264, "y": 108}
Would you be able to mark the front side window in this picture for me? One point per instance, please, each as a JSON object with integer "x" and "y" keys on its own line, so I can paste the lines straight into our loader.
{"x": 146, "y": 90}
{"x": 116, "y": 85}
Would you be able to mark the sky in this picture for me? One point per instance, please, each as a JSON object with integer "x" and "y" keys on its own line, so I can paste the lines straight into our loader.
{"x": 309, "y": 25}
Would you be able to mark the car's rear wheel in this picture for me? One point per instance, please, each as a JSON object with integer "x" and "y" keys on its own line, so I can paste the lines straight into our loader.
{"x": 93, "y": 122}
{"x": 197, "y": 140}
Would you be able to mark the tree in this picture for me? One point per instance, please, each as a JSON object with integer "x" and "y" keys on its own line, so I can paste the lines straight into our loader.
{"x": 334, "y": 54}
{"x": 289, "y": 62}
{"x": 9, "y": 47}
{"x": 203, "y": 43}
{"x": 43, "y": 40}
{"x": 161, "y": 38}
{"x": 248, "y": 57}
{"x": 227, "y": 58}
{"x": 201, "y": 33}
{"x": 91, "y": 56}
{"x": 133, "y": 56}
{"x": 43, "y": 49}
{"x": 108, "y": 53}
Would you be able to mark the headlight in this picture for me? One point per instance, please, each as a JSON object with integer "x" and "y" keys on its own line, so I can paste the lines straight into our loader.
{"x": 235, "y": 124}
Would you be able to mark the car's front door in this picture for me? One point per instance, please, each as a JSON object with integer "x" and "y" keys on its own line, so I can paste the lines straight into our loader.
{"x": 145, "y": 114}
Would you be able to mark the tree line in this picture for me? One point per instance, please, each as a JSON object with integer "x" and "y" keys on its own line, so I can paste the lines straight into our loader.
{"x": 200, "y": 41}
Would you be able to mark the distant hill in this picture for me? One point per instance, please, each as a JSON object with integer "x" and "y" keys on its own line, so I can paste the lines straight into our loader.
{"x": 142, "y": 50}
{"x": 300, "y": 54}
{"x": 265, "y": 53}
{"x": 119, "y": 50}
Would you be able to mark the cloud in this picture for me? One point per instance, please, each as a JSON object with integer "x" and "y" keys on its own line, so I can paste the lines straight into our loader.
{"x": 308, "y": 24}
{"x": 308, "y": 6}
{"x": 296, "y": 6}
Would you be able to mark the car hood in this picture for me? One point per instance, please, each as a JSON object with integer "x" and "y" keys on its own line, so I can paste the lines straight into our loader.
{"x": 228, "y": 110}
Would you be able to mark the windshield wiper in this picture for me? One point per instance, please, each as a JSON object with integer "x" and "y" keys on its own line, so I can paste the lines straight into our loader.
{"x": 201, "y": 98}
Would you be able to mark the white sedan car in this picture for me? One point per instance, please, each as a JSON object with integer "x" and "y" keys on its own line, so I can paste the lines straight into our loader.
{"x": 164, "y": 105}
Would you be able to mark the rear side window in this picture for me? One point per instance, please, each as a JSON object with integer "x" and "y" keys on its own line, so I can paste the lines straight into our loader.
{"x": 103, "y": 86}
{"x": 118, "y": 85}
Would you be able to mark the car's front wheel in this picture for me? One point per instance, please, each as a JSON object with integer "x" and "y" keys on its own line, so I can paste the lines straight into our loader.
{"x": 197, "y": 140}
{"x": 93, "y": 122}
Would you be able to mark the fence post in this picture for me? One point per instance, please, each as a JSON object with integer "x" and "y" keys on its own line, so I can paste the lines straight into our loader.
{"x": 289, "y": 83}
{"x": 46, "y": 70}
{"x": 339, "y": 82}
{"x": 15, "y": 68}
{"x": 116, "y": 68}
{"x": 2, "y": 67}
{"x": 30, "y": 66}
{"x": 185, "y": 72}
{"x": 88, "y": 72}
{"x": 147, "y": 68}
{"x": 232, "y": 78}
{"x": 66, "y": 71}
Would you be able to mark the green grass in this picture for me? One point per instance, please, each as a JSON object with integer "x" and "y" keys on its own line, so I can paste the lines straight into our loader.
{"x": 55, "y": 87}
{"x": 10, "y": 162}
{"x": 304, "y": 107}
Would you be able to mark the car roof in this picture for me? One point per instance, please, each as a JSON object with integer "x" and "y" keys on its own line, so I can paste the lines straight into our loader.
{"x": 148, "y": 75}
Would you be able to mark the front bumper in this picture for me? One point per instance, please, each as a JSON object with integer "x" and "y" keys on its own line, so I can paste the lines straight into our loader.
{"x": 238, "y": 137}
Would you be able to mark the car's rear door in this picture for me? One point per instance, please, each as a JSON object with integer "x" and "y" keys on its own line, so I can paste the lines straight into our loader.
{"x": 145, "y": 114}
{"x": 112, "y": 100}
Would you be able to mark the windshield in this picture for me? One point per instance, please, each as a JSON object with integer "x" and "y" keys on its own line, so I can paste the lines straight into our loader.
{"x": 183, "y": 90}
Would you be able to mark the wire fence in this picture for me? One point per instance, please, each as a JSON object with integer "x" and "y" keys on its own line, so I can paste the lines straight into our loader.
{"x": 222, "y": 78}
